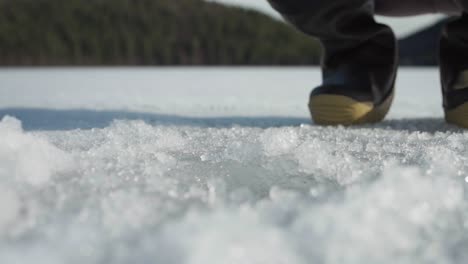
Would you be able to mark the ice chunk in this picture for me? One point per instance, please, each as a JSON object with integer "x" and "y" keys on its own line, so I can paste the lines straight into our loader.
{"x": 10, "y": 206}
{"x": 233, "y": 237}
{"x": 279, "y": 141}
{"x": 26, "y": 158}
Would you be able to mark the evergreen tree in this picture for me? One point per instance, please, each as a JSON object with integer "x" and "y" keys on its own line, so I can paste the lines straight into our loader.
{"x": 145, "y": 32}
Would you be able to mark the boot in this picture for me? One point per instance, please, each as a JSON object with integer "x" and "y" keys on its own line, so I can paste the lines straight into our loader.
{"x": 358, "y": 87}
{"x": 454, "y": 71}
{"x": 359, "y": 63}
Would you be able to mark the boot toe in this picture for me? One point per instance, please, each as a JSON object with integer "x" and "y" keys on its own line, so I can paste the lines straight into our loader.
{"x": 334, "y": 109}
{"x": 458, "y": 116}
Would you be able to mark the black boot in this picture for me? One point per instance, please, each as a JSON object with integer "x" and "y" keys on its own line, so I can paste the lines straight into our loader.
{"x": 454, "y": 71}
{"x": 358, "y": 83}
{"x": 360, "y": 60}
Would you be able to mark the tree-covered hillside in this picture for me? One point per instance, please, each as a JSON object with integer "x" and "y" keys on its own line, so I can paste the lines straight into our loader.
{"x": 145, "y": 32}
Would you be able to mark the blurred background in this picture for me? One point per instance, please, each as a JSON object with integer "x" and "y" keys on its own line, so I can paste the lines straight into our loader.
{"x": 168, "y": 32}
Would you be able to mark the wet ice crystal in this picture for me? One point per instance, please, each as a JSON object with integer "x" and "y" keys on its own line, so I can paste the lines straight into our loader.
{"x": 139, "y": 192}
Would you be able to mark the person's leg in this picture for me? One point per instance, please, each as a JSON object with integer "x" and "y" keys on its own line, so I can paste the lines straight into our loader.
{"x": 453, "y": 50}
{"x": 359, "y": 63}
{"x": 454, "y": 68}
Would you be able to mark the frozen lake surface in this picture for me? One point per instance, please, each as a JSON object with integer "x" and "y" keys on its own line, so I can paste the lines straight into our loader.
{"x": 221, "y": 166}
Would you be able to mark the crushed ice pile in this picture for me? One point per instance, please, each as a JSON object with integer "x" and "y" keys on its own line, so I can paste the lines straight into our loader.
{"x": 138, "y": 192}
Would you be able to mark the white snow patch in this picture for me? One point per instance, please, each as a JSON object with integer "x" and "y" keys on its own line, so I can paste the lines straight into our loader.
{"x": 226, "y": 190}
{"x": 28, "y": 159}
{"x": 10, "y": 206}
{"x": 278, "y": 142}
{"x": 279, "y": 195}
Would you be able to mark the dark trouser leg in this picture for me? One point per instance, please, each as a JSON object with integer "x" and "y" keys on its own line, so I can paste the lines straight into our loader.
{"x": 360, "y": 55}
{"x": 454, "y": 61}
{"x": 454, "y": 68}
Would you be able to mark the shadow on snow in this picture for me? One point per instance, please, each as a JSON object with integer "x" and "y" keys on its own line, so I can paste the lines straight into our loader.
{"x": 49, "y": 119}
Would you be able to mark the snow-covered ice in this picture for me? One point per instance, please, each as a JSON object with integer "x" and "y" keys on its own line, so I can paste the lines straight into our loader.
{"x": 222, "y": 166}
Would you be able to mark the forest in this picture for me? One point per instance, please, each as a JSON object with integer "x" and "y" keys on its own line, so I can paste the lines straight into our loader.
{"x": 146, "y": 32}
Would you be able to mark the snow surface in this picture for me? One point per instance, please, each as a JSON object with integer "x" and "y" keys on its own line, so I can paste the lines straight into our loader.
{"x": 222, "y": 166}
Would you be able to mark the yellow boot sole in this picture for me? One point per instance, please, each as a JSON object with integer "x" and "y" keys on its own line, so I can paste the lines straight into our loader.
{"x": 342, "y": 110}
{"x": 458, "y": 116}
